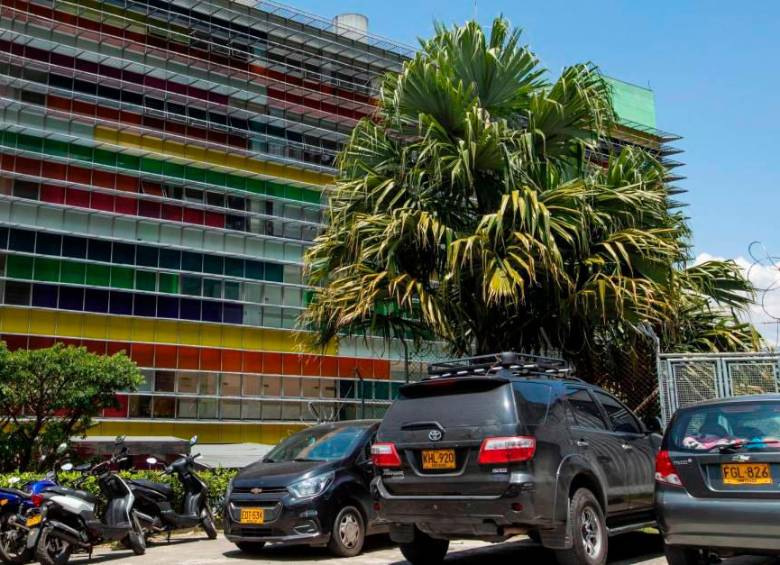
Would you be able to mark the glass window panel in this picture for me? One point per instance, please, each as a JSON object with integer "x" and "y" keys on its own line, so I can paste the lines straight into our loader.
{"x": 96, "y": 300}
{"x": 73, "y": 273}
{"x": 251, "y": 385}
{"x": 122, "y": 277}
{"x": 328, "y": 388}
{"x": 208, "y": 383}
{"x": 271, "y": 410}
{"x": 146, "y": 280}
{"x": 230, "y": 409}
{"x": 291, "y": 411}
{"x": 148, "y": 379}
{"x": 231, "y": 385}
{"x": 187, "y": 408}
{"x": 382, "y": 390}
{"x": 121, "y": 303}
{"x": 293, "y": 296}
{"x": 255, "y": 270}
{"x": 272, "y": 294}
{"x": 232, "y": 290}
{"x": 164, "y": 407}
{"x": 167, "y": 307}
{"x": 19, "y": 267}
{"x": 250, "y": 409}
{"x": 99, "y": 250}
{"x": 71, "y": 298}
{"x": 98, "y": 275}
{"x": 191, "y": 261}
{"x": 273, "y": 272}
{"x": 22, "y": 240}
{"x": 140, "y": 406}
{"x": 207, "y": 408}
{"x": 292, "y": 274}
{"x": 48, "y": 244}
{"x": 187, "y": 382}
{"x": 252, "y": 315}
{"x": 146, "y": 256}
{"x": 234, "y": 267}
{"x": 74, "y": 247}
{"x": 213, "y": 264}
{"x": 272, "y": 386}
{"x": 145, "y": 305}
{"x": 211, "y": 311}
{"x": 232, "y": 313}
{"x": 292, "y": 386}
{"x": 191, "y": 285}
{"x": 311, "y": 388}
{"x": 212, "y": 288}
{"x": 44, "y": 296}
{"x": 124, "y": 253}
{"x": 290, "y": 319}
{"x": 272, "y": 317}
{"x": 170, "y": 259}
{"x": 252, "y": 292}
{"x": 169, "y": 283}
{"x": 189, "y": 309}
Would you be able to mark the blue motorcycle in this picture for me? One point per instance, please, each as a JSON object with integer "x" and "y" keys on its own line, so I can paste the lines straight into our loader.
{"x": 19, "y": 513}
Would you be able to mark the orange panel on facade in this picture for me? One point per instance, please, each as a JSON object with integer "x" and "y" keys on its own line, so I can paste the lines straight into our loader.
{"x": 189, "y": 358}
{"x": 272, "y": 363}
{"x": 210, "y": 359}
{"x": 329, "y": 366}
{"x": 143, "y": 354}
{"x": 231, "y": 361}
{"x": 310, "y": 365}
{"x": 165, "y": 356}
{"x": 291, "y": 364}
{"x": 347, "y": 366}
{"x": 252, "y": 362}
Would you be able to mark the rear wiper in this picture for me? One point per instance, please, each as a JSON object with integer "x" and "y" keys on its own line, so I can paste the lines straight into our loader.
{"x": 740, "y": 443}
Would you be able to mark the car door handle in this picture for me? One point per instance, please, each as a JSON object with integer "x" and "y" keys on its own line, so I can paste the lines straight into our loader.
{"x": 582, "y": 443}
{"x": 627, "y": 446}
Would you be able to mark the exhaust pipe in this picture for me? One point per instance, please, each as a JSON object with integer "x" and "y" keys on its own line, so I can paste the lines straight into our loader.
{"x": 149, "y": 521}
{"x": 68, "y": 534}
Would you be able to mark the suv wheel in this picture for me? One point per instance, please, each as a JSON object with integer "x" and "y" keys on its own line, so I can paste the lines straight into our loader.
{"x": 588, "y": 531}
{"x": 348, "y": 533}
{"x": 676, "y": 555}
{"x": 425, "y": 550}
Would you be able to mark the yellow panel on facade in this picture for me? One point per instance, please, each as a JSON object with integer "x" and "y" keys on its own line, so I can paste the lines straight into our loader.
{"x": 207, "y": 432}
{"x": 68, "y": 324}
{"x": 232, "y": 337}
{"x": 120, "y": 328}
{"x": 14, "y": 321}
{"x": 167, "y": 332}
{"x": 144, "y": 330}
{"x": 97, "y": 328}
{"x": 41, "y": 322}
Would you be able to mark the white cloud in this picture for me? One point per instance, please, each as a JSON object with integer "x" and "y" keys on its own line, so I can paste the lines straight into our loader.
{"x": 765, "y": 313}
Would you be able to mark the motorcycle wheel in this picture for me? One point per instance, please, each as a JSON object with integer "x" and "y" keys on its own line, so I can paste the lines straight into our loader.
{"x": 136, "y": 539}
{"x": 208, "y": 524}
{"x": 51, "y": 550}
{"x": 13, "y": 544}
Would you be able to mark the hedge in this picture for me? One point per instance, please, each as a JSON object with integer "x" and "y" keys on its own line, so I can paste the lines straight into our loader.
{"x": 216, "y": 479}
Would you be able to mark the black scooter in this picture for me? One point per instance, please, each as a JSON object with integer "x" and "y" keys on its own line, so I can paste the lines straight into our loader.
{"x": 154, "y": 502}
{"x": 70, "y": 521}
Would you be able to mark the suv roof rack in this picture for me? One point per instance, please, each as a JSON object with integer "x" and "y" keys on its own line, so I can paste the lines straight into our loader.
{"x": 518, "y": 364}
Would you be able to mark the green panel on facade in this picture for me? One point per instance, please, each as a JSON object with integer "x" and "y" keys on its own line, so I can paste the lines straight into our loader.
{"x": 98, "y": 275}
{"x": 215, "y": 177}
{"x": 255, "y": 270}
{"x": 47, "y": 269}
{"x": 18, "y": 267}
{"x": 73, "y": 273}
{"x": 191, "y": 285}
{"x": 633, "y": 103}
{"x": 122, "y": 277}
{"x": 81, "y": 153}
{"x": 292, "y": 192}
{"x": 151, "y": 166}
{"x": 236, "y": 182}
{"x": 312, "y": 196}
{"x": 195, "y": 174}
{"x": 55, "y": 148}
{"x": 274, "y": 189}
{"x": 256, "y": 185}
{"x": 169, "y": 283}
{"x": 173, "y": 170}
{"x": 274, "y": 272}
{"x": 104, "y": 157}
{"x": 146, "y": 280}
{"x": 29, "y": 143}
{"x": 125, "y": 161}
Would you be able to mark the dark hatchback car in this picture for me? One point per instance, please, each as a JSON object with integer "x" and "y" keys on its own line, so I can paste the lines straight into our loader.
{"x": 312, "y": 488}
{"x": 491, "y": 447}
{"x": 718, "y": 479}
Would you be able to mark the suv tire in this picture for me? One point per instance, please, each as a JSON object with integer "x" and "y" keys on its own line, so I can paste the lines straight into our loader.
{"x": 677, "y": 555}
{"x": 425, "y": 550}
{"x": 590, "y": 539}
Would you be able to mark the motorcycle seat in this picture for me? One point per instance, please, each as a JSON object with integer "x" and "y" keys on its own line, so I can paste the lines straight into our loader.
{"x": 91, "y": 498}
{"x": 162, "y": 488}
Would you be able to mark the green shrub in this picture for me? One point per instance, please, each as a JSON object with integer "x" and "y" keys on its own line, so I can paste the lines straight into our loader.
{"x": 216, "y": 479}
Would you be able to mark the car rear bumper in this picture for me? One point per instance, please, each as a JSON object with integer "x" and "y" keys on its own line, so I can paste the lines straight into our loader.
{"x": 725, "y": 523}
{"x": 482, "y": 517}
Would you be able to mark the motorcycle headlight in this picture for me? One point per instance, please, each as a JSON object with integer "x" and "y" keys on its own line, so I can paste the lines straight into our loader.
{"x": 314, "y": 486}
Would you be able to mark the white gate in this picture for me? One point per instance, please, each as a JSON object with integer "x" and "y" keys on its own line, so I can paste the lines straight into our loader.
{"x": 685, "y": 378}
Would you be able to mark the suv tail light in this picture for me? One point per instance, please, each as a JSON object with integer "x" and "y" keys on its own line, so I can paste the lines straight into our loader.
{"x": 497, "y": 450}
{"x": 665, "y": 471}
{"x": 385, "y": 455}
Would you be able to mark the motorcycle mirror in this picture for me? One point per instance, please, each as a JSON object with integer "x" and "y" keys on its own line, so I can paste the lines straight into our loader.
{"x": 119, "y": 439}
{"x": 67, "y": 467}
{"x": 62, "y": 448}
{"x": 13, "y": 480}
{"x": 193, "y": 440}
{"x": 151, "y": 460}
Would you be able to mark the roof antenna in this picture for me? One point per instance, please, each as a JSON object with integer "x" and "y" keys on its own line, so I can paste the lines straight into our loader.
{"x": 474, "y": 17}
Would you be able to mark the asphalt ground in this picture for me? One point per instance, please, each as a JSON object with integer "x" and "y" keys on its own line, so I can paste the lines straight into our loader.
{"x": 630, "y": 549}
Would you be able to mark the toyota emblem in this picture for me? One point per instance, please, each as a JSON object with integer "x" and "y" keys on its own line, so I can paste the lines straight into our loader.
{"x": 434, "y": 435}
{"x": 256, "y": 491}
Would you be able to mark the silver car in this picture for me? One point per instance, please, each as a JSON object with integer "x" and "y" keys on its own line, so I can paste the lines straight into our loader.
{"x": 718, "y": 480}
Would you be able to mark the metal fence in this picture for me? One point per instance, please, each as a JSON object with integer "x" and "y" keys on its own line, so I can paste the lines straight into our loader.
{"x": 687, "y": 378}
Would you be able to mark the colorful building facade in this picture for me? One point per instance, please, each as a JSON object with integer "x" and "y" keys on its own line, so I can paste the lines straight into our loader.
{"x": 162, "y": 170}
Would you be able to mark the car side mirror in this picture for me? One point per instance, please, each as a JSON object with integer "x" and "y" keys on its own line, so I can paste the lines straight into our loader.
{"x": 654, "y": 425}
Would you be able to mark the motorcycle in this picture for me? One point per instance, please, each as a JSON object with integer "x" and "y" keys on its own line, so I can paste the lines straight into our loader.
{"x": 70, "y": 521}
{"x": 154, "y": 502}
{"x": 17, "y": 507}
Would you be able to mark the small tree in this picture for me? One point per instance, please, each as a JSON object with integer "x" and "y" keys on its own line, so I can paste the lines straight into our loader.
{"x": 49, "y": 395}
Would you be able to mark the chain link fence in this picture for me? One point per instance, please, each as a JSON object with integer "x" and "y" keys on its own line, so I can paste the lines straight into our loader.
{"x": 687, "y": 378}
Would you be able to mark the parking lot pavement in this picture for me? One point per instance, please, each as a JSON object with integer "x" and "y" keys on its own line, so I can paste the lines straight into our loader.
{"x": 630, "y": 549}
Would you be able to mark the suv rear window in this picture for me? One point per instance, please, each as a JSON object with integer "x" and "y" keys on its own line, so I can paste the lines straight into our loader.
{"x": 754, "y": 424}
{"x": 454, "y": 403}
{"x": 533, "y": 401}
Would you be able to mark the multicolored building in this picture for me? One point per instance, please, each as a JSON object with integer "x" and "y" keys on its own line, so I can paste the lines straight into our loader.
{"x": 162, "y": 170}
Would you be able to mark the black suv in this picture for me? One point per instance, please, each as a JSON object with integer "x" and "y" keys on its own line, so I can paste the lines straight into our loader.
{"x": 500, "y": 445}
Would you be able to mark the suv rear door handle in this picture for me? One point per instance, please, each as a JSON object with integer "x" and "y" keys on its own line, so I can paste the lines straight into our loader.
{"x": 582, "y": 443}
{"x": 627, "y": 446}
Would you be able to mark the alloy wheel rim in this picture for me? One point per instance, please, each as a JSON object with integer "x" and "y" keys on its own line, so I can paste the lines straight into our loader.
{"x": 349, "y": 530}
{"x": 591, "y": 533}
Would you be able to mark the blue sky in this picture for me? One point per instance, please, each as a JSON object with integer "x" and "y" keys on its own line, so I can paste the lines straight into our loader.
{"x": 714, "y": 69}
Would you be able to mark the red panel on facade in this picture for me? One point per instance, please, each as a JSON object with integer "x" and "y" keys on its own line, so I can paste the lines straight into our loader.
{"x": 57, "y": 171}
{"x": 40, "y": 342}
{"x": 53, "y": 194}
{"x": 193, "y": 216}
{"x": 27, "y": 166}
{"x": 126, "y": 205}
{"x": 272, "y": 363}
{"x": 103, "y": 179}
{"x": 120, "y": 411}
{"x": 143, "y": 354}
{"x": 291, "y": 364}
{"x": 170, "y": 212}
{"x": 75, "y": 197}
{"x": 310, "y": 365}
{"x": 381, "y": 369}
{"x": 116, "y": 347}
{"x": 210, "y": 359}
{"x": 329, "y": 366}
{"x": 94, "y": 346}
{"x": 215, "y": 220}
{"x": 102, "y": 201}
{"x": 347, "y": 367}
{"x": 365, "y": 367}
{"x": 189, "y": 358}
{"x": 148, "y": 209}
{"x": 124, "y": 182}
{"x": 231, "y": 361}
{"x": 252, "y": 362}
{"x": 165, "y": 356}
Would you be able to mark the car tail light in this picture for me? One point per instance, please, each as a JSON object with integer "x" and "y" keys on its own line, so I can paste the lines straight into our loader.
{"x": 497, "y": 450}
{"x": 385, "y": 455}
{"x": 665, "y": 471}
{"x": 36, "y": 499}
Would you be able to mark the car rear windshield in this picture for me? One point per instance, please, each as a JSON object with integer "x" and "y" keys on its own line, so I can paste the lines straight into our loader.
{"x": 454, "y": 403}
{"x": 746, "y": 425}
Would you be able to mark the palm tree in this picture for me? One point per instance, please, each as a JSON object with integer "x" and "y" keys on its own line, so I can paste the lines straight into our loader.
{"x": 472, "y": 209}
